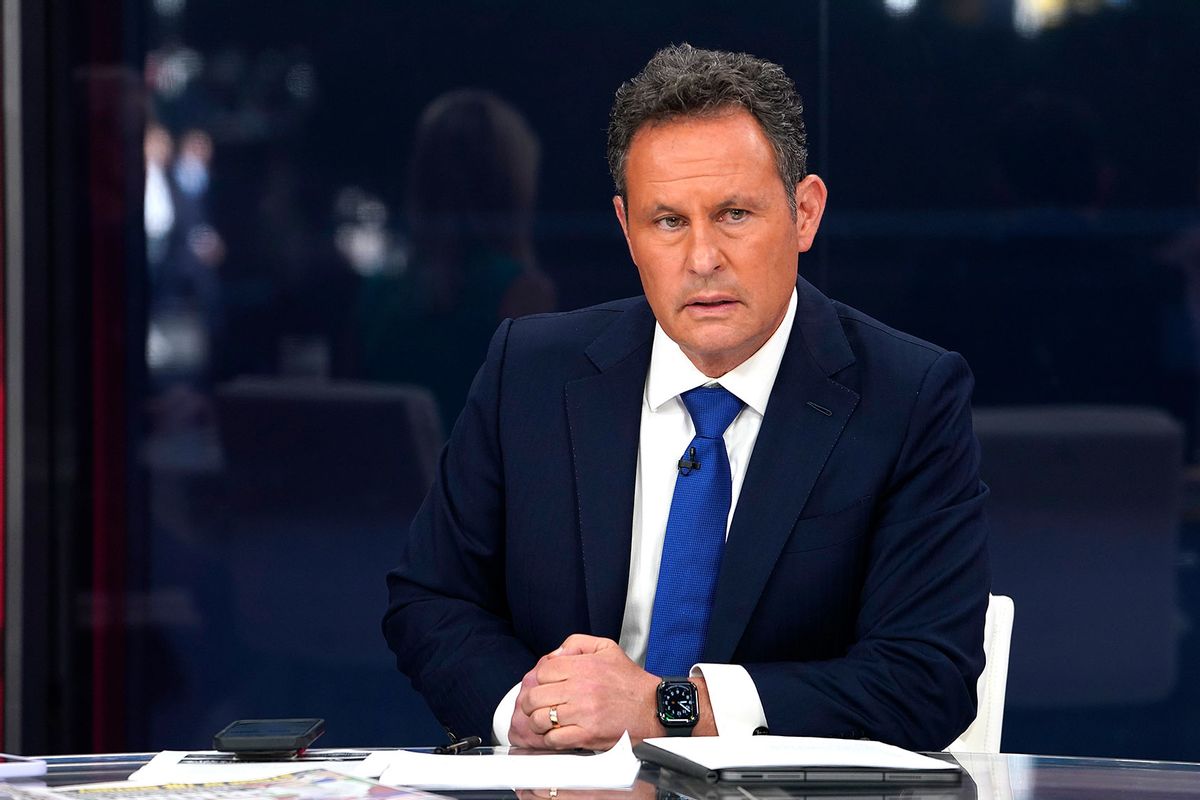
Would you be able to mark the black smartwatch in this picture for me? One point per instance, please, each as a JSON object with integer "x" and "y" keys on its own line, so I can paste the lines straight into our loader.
{"x": 678, "y": 706}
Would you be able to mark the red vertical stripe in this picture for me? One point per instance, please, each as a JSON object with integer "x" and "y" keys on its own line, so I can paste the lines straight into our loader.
{"x": 112, "y": 98}
{"x": 105, "y": 191}
{"x": 106, "y": 180}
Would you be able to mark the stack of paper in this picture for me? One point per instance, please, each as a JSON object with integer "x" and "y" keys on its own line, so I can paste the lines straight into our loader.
{"x": 615, "y": 769}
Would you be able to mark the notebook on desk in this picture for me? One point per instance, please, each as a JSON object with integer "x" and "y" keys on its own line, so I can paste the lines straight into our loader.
{"x": 836, "y": 763}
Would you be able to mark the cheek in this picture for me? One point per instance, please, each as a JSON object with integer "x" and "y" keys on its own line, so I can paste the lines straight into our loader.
{"x": 655, "y": 275}
{"x": 781, "y": 274}
{"x": 652, "y": 290}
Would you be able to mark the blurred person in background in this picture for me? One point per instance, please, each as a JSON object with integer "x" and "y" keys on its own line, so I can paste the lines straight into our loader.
{"x": 470, "y": 200}
{"x": 184, "y": 253}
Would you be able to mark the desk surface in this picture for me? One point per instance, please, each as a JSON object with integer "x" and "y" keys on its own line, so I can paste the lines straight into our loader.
{"x": 993, "y": 777}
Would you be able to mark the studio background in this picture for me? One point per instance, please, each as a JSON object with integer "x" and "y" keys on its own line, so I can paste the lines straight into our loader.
{"x": 255, "y": 252}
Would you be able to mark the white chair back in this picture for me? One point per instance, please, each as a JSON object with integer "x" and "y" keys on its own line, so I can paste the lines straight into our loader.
{"x": 983, "y": 735}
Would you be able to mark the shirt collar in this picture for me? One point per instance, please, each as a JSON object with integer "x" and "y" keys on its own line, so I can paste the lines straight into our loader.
{"x": 671, "y": 373}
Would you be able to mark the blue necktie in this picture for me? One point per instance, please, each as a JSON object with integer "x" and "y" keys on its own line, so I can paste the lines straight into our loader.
{"x": 691, "y": 554}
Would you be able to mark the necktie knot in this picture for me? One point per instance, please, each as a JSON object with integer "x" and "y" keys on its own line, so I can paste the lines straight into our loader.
{"x": 712, "y": 408}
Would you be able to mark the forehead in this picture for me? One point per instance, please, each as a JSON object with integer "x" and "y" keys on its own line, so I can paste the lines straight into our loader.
{"x": 696, "y": 152}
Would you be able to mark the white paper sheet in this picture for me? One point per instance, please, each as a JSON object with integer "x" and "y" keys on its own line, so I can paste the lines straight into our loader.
{"x": 725, "y": 752}
{"x": 613, "y": 769}
{"x": 170, "y": 766}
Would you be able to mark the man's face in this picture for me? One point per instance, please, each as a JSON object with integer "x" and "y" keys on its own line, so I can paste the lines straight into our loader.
{"x": 712, "y": 235}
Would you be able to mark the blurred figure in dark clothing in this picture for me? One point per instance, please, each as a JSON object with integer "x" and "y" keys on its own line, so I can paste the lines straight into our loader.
{"x": 470, "y": 207}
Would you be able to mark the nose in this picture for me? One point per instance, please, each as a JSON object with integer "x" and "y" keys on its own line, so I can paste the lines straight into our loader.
{"x": 703, "y": 253}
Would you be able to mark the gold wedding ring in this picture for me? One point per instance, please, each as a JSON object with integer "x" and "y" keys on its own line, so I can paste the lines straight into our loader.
{"x": 553, "y": 716}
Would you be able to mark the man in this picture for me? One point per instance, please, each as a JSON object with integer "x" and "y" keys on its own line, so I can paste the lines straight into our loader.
{"x": 729, "y": 505}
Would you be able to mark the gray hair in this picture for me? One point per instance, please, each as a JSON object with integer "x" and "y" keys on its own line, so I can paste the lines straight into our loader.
{"x": 684, "y": 81}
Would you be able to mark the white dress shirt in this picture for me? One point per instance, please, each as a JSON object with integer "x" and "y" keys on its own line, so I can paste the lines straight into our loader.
{"x": 666, "y": 431}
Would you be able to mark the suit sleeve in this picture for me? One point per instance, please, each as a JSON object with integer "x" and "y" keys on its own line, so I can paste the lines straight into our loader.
{"x": 448, "y": 620}
{"x": 910, "y": 676}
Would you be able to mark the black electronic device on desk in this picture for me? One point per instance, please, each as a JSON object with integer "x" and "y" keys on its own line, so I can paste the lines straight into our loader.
{"x": 268, "y": 739}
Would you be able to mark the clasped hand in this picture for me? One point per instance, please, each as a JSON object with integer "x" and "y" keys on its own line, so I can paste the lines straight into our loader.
{"x": 597, "y": 692}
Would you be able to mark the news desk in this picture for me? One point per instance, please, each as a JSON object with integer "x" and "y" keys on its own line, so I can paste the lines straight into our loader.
{"x": 992, "y": 777}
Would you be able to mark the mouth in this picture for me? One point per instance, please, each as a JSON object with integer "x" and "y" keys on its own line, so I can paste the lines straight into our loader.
{"x": 710, "y": 303}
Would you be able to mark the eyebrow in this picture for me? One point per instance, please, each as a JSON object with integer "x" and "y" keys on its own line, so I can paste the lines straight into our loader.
{"x": 733, "y": 201}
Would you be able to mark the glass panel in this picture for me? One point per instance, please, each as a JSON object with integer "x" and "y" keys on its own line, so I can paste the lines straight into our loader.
{"x": 1017, "y": 181}
{"x": 340, "y": 207}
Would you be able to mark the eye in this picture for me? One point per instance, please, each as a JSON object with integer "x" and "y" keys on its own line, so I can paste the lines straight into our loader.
{"x": 669, "y": 223}
{"x": 736, "y": 214}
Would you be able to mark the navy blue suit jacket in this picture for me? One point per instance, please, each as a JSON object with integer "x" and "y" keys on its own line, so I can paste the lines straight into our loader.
{"x": 854, "y": 580}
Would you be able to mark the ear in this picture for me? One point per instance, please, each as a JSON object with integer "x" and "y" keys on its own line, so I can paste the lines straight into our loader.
{"x": 811, "y": 195}
{"x": 623, "y": 218}
{"x": 619, "y": 207}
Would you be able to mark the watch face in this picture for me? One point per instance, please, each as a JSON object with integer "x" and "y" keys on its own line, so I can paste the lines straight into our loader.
{"x": 677, "y": 704}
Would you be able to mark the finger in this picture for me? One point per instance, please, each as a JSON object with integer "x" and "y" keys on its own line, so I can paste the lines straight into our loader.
{"x": 521, "y": 733}
{"x": 565, "y": 737}
{"x": 520, "y": 729}
{"x": 587, "y": 665}
{"x": 563, "y": 650}
{"x": 554, "y": 670}
{"x": 539, "y": 673}
{"x": 546, "y": 719}
{"x": 531, "y": 678}
{"x": 527, "y": 740}
{"x": 578, "y": 737}
{"x": 545, "y": 671}
{"x": 586, "y": 644}
{"x": 528, "y": 684}
{"x": 544, "y": 696}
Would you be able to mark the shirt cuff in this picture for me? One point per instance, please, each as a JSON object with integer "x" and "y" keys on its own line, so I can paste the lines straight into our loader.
{"x": 502, "y": 719}
{"x": 737, "y": 708}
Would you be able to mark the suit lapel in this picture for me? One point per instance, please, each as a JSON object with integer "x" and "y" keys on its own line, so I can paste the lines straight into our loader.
{"x": 604, "y": 413}
{"x": 793, "y": 444}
